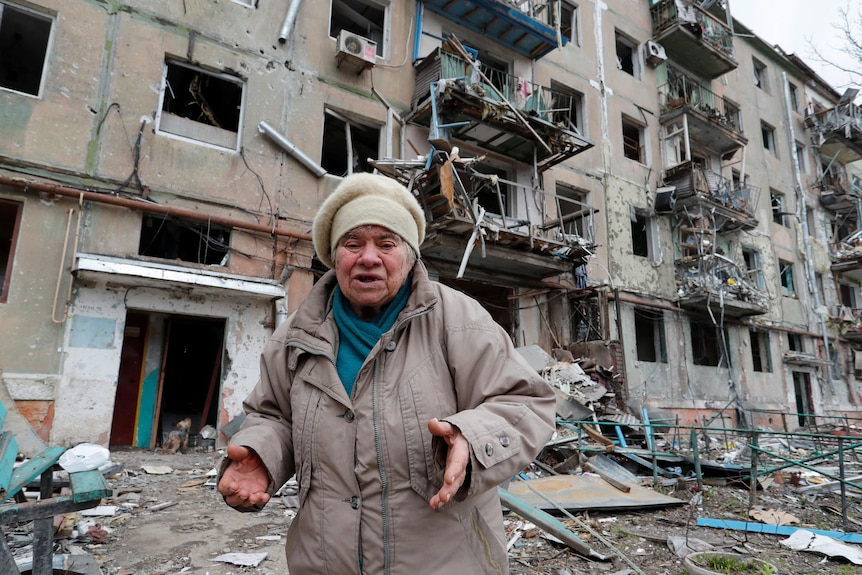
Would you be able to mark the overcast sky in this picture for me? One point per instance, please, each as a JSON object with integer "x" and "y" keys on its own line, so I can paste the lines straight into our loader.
{"x": 791, "y": 23}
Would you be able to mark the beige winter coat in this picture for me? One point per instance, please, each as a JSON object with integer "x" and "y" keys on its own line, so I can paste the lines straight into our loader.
{"x": 367, "y": 465}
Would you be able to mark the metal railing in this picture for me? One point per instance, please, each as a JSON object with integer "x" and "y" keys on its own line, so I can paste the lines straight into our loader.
{"x": 715, "y": 274}
{"x": 668, "y": 13}
{"x": 684, "y": 91}
{"x": 737, "y": 195}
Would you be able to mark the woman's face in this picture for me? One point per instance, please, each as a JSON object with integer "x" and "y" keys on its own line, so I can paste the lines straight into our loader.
{"x": 371, "y": 264}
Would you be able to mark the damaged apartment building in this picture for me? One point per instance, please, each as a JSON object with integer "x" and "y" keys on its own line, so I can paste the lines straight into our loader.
{"x": 646, "y": 185}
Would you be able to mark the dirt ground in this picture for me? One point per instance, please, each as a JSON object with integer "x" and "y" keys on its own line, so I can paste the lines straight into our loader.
{"x": 169, "y": 519}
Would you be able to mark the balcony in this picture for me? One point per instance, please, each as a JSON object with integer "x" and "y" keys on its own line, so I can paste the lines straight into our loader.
{"x": 837, "y": 132}
{"x": 713, "y": 282}
{"x": 847, "y": 257}
{"x": 469, "y": 233}
{"x": 730, "y": 205}
{"x": 848, "y": 321}
{"x": 837, "y": 194}
{"x": 519, "y": 26}
{"x": 497, "y": 111}
{"x": 693, "y": 37}
{"x": 710, "y": 120}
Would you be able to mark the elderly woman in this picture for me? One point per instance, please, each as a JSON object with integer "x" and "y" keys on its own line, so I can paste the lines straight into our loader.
{"x": 398, "y": 403}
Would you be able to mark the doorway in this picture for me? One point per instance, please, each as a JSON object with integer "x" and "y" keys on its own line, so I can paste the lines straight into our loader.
{"x": 170, "y": 369}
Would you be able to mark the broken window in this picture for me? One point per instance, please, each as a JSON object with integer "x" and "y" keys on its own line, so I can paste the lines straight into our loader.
{"x": 785, "y": 272}
{"x": 760, "y": 78}
{"x": 761, "y": 358}
{"x": 587, "y": 320}
{"x": 568, "y": 107}
{"x": 575, "y": 214}
{"x": 801, "y": 157}
{"x": 177, "y": 239}
{"x": 778, "y": 209}
{"x": 201, "y": 106}
{"x": 627, "y": 55}
{"x": 731, "y": 113}
{"x": 846, "y": 294}
{"x": 361, "y": 17}
{"x": 649, "y": 335}
{"x": 642, "y": 235}
{"x": 802, "y": 390}
{"x": 767, "y": 133}
{"x": 794, "y": 342}
{"x": 493, "y": 192}
{"x": 794, "y": 96}
{"x": 811, "y": 221}
{"x": 348, "y": 144}
{"x": 753, "y": 266}
{"x": 633, "y": 140}
{"x": 706, "y": 344}
{"x": 24, "y": 38}
{"x": 10, "y": 220}
{"x": 570, "y": 21}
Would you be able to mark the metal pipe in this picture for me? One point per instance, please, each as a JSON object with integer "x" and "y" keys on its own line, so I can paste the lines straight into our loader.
{"x": 287, "y": 26}
{"x": 291, "y": 149}
{"x": 41, "y": 187}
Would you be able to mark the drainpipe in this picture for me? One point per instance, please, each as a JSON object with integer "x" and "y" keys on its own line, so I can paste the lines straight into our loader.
{"x": 801, "y": 209}
{"x": 291, "y": 149}
{"x": 287, "y": 26}
{"x": 43, "y": 188}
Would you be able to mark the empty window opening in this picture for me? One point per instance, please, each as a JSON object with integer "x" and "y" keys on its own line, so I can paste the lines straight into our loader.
{"x": 24, "y": 38}
{"x": 754, "y": 267}
{"x": 184, "y": 240}
{"x": 10, "y": 220}
{"x": 795, "y": 343}
{"x": 348, "y": 145}
{"x": 761, "y": 358}
{"x": 760, "y": 77}
{"x": 794, "y": 96}
{"x": 366, "y": 19}
{"x": 846, "y": 293}
{"x": 767, "y": 132}
{"x": 633, "y": 140}
{"x": 801, "y": 157}
{"x": 649, "y": 335}
{"x": 627, "y": 55}
{"x": 706, "y": 344}
{"x": 569, "y": 21}
{"x": 802, "y": 390}
{"x": 731, "y": 113}
{"x": 779, "y": 211}
{"x": 785, "y": 272}
{"x": 202, "y": 106}
{"x": 641, "y": 234}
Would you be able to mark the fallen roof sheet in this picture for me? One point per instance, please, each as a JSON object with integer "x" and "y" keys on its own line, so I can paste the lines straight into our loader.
{"x": 580, "y": 492}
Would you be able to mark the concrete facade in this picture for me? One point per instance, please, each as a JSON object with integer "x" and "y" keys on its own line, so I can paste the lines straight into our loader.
{"x": 158, "y": 107}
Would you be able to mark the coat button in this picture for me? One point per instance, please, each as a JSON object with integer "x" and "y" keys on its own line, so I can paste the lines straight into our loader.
{"x": 489, "y": 449}
{"x": 354, "y": 502}
{"x": 504, "y": 440}
{"x": 349, "y": 416}
{"x": 390, "y": 346}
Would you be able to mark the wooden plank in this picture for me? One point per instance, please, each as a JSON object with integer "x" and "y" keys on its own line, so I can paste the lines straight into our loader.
{"x": 31, "y": 469}
{"x": 88, "y": 486}
{"x": 19, "y": 512}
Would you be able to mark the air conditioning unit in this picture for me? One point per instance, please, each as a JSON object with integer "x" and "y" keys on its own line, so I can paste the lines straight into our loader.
{"x": 654, "y": 53}
{"x": 356, "y": 50}
{"x": 665, "y": 200}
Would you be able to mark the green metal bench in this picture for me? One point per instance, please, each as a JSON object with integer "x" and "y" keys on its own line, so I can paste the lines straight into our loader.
{"x": 87, "y": 490}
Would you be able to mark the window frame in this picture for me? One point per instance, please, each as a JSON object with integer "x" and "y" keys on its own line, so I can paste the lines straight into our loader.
{"x": 631, "y": 124}
{"x": 761, "y": 75}
{"x": 49, "y": 43}
{"x": 761, "y": 350}
{"x": 786, "y": 278}
{"x": 777, "y": 201}
{"x": 753, "y": 260}
{"x": 386, "y": 27}
{"x": 350, "y": 121}
{"x": 575, "y": 112}
{"x": 703, "y": 333}
{"x": 624, "y": 40}
{"x": 767, "y": 135}
{"x": 178, "y": 130}
{"x": 572, "y": 17}
{"x": 649, "y": 329}
{"x": 6, "y": 279}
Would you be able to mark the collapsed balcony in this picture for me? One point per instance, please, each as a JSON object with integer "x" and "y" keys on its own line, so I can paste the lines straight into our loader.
{"x": 706, "y": 117}
{"x": 714, "y": 282}
{"x": 471, "y": 233}
{"x": 459, "y": 98}
{"x": 690, "y": 188}
{"x": 837, "y": 132}
{"x": 847, "y": 256}
{"x": 693, "y": 37}
{"x": 520, "y": 26}
{"x": 837, "y": 194}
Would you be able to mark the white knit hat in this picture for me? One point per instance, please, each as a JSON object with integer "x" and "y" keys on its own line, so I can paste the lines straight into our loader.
{"x": 367, "y": 199}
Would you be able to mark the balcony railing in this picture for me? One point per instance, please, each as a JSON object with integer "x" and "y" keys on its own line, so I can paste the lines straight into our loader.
{"x": 720, "y": 280}
{"x": 684, "y": 91}
{"x": 694, "y": 181}
{"x": 669, "y": 13}
{"x": 845, "y": 118}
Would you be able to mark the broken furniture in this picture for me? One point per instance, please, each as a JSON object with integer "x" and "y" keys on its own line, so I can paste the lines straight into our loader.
{"x": 87, "y": 490}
